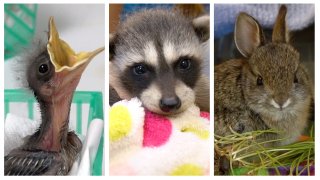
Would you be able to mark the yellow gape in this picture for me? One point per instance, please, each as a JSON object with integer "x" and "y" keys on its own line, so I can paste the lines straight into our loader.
{"x": 62, "y": 55}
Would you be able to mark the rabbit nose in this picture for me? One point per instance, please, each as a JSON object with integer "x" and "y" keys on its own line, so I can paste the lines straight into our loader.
{"x": 168, "y": 104}
{"x": 281, "y": 103}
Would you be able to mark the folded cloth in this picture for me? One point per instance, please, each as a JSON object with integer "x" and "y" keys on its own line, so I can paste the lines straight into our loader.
{"x": 145, "y": 143}
{"x": 89, "y": 150}
{"x": 15, "y": 129}
{"x": 15, "y": 134}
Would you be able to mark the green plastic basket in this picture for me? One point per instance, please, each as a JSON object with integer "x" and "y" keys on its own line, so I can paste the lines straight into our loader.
{"x": 19, "y": 27}
{"x": 93, "y": 99}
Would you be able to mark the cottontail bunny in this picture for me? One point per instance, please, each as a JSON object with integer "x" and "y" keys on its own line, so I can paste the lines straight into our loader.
{"x": 268, "y": 89}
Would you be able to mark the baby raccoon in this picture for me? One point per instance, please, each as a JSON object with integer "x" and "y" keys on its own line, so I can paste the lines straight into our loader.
{"x": 157, "y": 56}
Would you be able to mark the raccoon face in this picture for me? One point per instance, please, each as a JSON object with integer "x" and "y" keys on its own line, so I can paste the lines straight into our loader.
{"x": 158, "y": 56}
{"x": 163, "y": 86}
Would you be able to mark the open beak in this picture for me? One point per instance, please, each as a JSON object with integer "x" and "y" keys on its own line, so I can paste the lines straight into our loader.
{"x": 68, "y": 65}
{"x": 58, "y": 92}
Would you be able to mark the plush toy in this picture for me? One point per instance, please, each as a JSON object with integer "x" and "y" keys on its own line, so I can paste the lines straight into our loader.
{"x": 145, "y": 143}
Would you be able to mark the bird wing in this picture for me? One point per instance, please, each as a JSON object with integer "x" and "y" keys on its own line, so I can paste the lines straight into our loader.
{"x": 22, "y": 162}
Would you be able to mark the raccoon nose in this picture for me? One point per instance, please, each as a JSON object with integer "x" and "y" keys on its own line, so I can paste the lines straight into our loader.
{"x": 168, "y": 104}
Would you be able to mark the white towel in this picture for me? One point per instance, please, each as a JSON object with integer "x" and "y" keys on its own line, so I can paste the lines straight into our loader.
{"x": 16, "y": 128}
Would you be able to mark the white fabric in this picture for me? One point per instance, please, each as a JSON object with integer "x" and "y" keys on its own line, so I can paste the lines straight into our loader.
{"x": 16, "y": 128}
{"x": 89, "y": 150}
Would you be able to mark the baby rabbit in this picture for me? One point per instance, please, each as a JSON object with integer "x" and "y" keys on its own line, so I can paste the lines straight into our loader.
{"x": 268, "y": 89}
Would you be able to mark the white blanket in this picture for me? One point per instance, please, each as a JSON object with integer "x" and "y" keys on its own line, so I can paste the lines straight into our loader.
{"x": 16, "y": 128}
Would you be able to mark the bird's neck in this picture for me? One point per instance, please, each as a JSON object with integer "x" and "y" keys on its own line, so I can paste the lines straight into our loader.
{"x": 53, "y": 131}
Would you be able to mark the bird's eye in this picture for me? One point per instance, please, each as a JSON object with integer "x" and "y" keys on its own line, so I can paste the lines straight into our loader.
{"x": 259, "y": 81}
{"x": 43, "y": 68}
{"x": 184, "y": 64}
{"x": 139, "y": 69}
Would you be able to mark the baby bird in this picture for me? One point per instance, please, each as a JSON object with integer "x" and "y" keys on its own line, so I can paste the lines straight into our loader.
{"x": 52, "y": 75}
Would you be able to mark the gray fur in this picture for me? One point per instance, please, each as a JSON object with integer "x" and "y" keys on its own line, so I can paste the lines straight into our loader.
{"x": 150, "y": 26}
{"x": 159, "y": 27}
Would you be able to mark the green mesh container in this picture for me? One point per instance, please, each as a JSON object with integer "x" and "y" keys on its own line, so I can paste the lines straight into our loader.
{"x": 19, "y": 27}
{"x": 93, "y": 99}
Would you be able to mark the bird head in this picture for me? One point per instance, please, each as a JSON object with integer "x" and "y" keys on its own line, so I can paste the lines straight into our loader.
{"x": 53, "y": 75}
{"x": 55, "y": 72}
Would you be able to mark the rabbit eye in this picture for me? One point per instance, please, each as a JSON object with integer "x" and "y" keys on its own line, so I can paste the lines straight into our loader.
{"x": 295, "y": 79}
{"x": 259, "y": 81}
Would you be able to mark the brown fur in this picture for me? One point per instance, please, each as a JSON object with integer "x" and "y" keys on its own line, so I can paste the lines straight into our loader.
{"x": 281, "y": 103}
{"x": 190, "y": 10}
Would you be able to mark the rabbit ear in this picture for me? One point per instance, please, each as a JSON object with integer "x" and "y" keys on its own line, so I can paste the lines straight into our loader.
{"x": 280, "y": 33}
{"x": 248, "y": 34}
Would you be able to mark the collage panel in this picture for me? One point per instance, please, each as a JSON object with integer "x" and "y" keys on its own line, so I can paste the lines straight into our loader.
{"x": 54, "y": 89}
{"x": 159, "y": 89}
{"x": 264, "y": 89}
{"x": 66, "y": 112}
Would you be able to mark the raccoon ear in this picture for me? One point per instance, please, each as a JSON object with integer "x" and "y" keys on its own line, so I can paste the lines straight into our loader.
{"x": 280, "y": 33}
{"x": 190, "y": 10}
{"x": 201, "y": 26}
{"x": 112, "y": 42}
{"x": 248, "y": 34}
